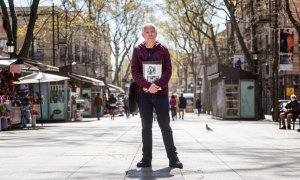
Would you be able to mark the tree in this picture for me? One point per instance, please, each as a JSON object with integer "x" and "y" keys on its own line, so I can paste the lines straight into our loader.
{"x": 11, "y": 26}
{"x": 129, "y": 16}
{"x": 232, "y": 10}
{"x": 194, "y": 20}
{"x": 199, "y": 16}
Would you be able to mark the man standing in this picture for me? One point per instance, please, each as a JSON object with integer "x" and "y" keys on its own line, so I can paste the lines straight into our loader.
{"x": 153, "y": 93}
{"x": 98, "y": 102}
{"x": 198, "y": 105}
{"x": 182, "y": 106}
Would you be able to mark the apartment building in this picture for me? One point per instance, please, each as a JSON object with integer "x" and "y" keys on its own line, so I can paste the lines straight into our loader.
{"x": 59, "y": 40}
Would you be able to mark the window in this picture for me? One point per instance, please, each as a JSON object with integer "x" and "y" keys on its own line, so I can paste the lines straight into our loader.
{"x": 267, "y": 69}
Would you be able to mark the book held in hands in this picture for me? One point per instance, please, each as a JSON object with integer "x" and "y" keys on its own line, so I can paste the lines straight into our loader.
{"x": 152, "y": 70}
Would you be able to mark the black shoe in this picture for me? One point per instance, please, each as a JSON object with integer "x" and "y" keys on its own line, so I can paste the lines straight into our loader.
{"x": 283, "y": 127}
{"x": 298, "y": 130}
{"x": 289, "y": 127}
{"x": 175, "y": 163}
{"x": 144, "y": 163}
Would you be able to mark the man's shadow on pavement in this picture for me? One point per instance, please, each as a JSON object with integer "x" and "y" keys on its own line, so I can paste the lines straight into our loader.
{"x": 149, "y": 174}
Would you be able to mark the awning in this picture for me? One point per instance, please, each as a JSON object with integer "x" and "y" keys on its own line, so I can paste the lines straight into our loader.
{"x": 94, "y": 81}
{"x": 7, "y": 62}
{"x": 40, "y": 77}
{"x": 26, "y": 65}
{"x": 113, "y": 87}
{"x": 33, "y": 64}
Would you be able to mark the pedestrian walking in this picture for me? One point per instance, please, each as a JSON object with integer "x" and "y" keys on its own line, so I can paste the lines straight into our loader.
{"x": 177, "y": 106}
{"x": 182, "y": 106}
{"x": 112, "y": 105}
{"x": 198, "y": 105}
{"x": 133, "y": 98}
{"x": 172, "y": 103}
{"x": 151, "y": 69}
{"x": 98, "y": 103}
{"x": 126, "y": 105}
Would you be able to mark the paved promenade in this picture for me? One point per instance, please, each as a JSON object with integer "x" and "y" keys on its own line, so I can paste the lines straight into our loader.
{"x": 110, "y": 149}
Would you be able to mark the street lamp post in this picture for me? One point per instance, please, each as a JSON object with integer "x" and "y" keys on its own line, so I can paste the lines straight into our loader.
{"x": 10, "y": 48}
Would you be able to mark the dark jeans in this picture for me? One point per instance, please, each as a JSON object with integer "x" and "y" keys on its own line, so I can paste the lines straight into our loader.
{"x": 98, "y": 111}
{"x": 199, "y": 111}
{"x": 173, "y": 112}
{"x": 161, "y": 105}
{"x": 126, "y": 109}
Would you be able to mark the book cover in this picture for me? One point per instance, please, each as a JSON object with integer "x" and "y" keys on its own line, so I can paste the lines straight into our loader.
{"x": 152, "y": 70}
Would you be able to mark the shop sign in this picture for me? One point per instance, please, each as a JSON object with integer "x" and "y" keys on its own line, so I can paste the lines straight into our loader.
{"x": 286, "y": 44}
{"x": 290, "y": 91}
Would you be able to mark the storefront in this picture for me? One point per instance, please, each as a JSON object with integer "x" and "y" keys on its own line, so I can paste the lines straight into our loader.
{"x": 232, "y": 92}
{"x": 88, "y": 88}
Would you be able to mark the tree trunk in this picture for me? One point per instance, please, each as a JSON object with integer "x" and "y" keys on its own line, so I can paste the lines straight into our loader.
{"x": 185, "y": 78}
{"x": 239, "y": 35}
{"x": 207, "y": 88}
{"x": 33, "y": 16}
{"x": 257, "y": 67}
{"x": 215, "y": 45}
{"x": 6, "y": 22}
{"x": 14, "y": 23}
{"x": 119, "y": 66}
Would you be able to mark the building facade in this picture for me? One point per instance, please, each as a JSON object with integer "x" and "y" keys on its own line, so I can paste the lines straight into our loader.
{"x": 61, "y": 38}
{"x": 256, "y": 20}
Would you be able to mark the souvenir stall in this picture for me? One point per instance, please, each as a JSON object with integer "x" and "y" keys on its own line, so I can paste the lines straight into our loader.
{"x": 7, "y": 92}
{"x": 49, "y": 94}
{"x": 18, "y": 100}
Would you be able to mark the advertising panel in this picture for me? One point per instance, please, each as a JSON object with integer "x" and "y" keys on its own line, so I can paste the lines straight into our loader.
{"x": 286, "y": 40}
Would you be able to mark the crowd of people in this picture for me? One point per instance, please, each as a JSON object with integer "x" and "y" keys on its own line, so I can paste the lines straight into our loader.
{"x": 119, "y": 106}
{"x": 113, "y": 106}
{"x": 178, "y": 106}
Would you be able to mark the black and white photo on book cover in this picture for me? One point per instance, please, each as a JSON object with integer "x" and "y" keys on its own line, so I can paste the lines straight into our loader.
{"x": 152, "y": 70}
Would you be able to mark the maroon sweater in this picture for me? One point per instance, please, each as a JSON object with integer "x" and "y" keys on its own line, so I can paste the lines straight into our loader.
{"x": 158, "y": 53}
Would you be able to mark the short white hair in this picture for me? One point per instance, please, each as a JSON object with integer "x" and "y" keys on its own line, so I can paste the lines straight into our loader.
{"x": 293, "y": 96}
{"x": 149, "y": 25}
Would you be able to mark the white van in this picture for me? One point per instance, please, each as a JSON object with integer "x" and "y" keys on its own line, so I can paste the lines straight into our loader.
{"x": 189, "y": 101}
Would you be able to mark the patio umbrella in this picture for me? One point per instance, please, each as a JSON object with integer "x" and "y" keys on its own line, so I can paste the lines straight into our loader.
{"x": 39, "y": 77}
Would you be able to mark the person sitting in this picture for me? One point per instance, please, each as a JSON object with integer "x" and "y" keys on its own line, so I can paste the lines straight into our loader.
{"x": 291, "y": 110}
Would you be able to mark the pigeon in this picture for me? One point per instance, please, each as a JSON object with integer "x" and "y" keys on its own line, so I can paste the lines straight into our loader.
{"x": 208, "y": 128}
